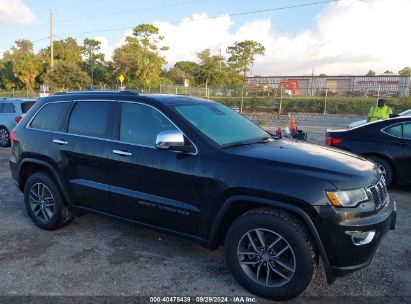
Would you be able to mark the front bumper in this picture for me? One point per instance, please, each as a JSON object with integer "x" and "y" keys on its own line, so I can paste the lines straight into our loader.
{"x": 345, "y": 255}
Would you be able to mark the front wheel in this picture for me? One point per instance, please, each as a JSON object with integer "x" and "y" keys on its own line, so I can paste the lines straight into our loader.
{"x": 270, "y": 254}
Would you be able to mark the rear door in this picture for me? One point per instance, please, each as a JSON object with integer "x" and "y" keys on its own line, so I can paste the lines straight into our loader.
{"x": 84, "y": 149}
{"x": 399, "y": 145}
{"x": 406, "y": 150}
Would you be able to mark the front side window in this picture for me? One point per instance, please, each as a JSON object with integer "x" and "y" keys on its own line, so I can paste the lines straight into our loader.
{"x": 395, "y": 130}
{"x": 90, "y": 118}
{"x": 8, "y": 108}
{"x": 51, "y": 117}
{"x": 407, "y": 130}
{"x": 140, "y": 124}
{"x": 222, "y": 125}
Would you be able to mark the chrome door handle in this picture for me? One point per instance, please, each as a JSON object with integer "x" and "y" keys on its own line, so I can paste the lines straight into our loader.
{"x": 60, "y": 142}
{"x": 122, "y": 153}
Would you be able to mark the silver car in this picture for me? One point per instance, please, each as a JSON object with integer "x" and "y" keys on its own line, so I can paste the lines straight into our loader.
{"x": 12, "y": 111}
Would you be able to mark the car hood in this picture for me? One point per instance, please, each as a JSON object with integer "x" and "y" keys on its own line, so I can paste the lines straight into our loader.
{"x": 340, "y": 168}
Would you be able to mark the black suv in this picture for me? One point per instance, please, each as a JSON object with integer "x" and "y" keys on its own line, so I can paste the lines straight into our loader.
{"x": 198, "y": 169}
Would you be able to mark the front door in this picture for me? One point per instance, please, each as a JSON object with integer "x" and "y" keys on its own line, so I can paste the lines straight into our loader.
{"x": 157, "y": 187}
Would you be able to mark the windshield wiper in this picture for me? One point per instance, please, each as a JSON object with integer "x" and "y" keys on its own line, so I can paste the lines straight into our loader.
{"x": 247, "y": 142}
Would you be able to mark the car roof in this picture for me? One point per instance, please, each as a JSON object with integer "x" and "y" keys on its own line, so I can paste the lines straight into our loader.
{"x": 7, "y": 99}
{"x": 165, "y": 99}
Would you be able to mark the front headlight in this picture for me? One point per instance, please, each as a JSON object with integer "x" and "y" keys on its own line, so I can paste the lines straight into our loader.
{"x": 347, "y": 198}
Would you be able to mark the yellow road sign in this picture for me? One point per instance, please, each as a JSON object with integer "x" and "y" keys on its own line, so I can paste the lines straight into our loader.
{"x": 121, "y": 78}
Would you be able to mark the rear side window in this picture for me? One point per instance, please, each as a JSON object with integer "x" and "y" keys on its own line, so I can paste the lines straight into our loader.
{"x": 395, "y": 130}
{"x": 51, "y": 117}
{"x": 407, "y": 130}
{"x": 8, "y": 108}
{"x": 25, "y": 106}
{"x": 91, "y": 118}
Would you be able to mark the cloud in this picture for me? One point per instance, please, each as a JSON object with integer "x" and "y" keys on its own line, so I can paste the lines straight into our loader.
{"x": 15, "y": 12}
{"x": 105, "y": 48}
{"x": 348, "y": 37}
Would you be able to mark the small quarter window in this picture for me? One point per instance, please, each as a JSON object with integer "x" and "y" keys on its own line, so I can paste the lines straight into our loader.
{"x": 51, "y": 117}
{"x": 395, "y": 130}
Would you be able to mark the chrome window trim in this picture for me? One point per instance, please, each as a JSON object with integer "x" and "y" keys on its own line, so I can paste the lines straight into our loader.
{"x": 28, "y": 125}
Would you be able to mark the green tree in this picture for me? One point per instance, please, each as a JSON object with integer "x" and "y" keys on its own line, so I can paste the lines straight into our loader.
{"x": 7, "y": 79}
{"x": 149, "y": 38}
{"x": 242, "y": 55}
{"x": 90, "y": 51}
{"x": 370, "y": 73}
{"x": 25, "y": 64}
{"x": 211, "y": 70}
{"x": 405, "y": 71}
{"x": 127, "y": 60}
{"x": 388, "y": 72}
{"x": 67, "y": 76}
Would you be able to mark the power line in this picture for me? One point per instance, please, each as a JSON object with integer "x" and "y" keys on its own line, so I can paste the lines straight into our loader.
{"x": 131, "y": 11}
{"x": 216, "y": 16}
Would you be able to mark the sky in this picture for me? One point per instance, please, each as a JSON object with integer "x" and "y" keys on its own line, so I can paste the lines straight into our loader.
{"x": 332, "y": 37}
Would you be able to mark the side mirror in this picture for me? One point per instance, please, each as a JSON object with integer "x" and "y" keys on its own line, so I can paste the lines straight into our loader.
{"x": 172, "y": 140}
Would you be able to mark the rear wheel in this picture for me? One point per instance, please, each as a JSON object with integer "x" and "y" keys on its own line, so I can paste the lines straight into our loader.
{"x": 384, "y": 167}
{"x": 44, "y": 202}
{"x": 270, "y": 254}
{"x": 4, "y": 137}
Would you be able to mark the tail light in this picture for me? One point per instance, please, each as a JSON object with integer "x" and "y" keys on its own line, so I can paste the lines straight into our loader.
{"x": 332, "y": 141}
{"x": 18, "y": 118}
{"x": 12, "y": 136}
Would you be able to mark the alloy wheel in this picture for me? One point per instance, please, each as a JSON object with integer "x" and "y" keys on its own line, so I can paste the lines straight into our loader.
{"x": 4, "y": 137}
{"x": 382, "y": 170}
{"x": 41, "y": 201}
{"x": 266, "y": 257}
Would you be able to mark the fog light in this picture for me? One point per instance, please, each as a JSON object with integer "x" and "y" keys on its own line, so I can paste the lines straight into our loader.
{"x": 361, "y": 237}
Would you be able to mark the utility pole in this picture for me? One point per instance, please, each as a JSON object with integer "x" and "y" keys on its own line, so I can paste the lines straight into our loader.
{"x": 51, "y": 40}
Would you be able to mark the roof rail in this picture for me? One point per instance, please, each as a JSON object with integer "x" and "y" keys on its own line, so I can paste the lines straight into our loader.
{"x": 98, "y": 92}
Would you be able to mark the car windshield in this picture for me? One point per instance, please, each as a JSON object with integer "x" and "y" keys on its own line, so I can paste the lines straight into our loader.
{"x": 222, "y": 125}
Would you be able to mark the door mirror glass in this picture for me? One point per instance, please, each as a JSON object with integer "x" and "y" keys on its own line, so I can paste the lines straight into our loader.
{"x": 172, "y": 140}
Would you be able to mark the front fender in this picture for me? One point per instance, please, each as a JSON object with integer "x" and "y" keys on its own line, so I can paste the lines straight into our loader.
{"x": 213, "y": 238}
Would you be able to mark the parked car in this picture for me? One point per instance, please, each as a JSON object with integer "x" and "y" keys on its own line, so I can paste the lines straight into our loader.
{"x": 11, "y": 112}
{"x": 198, "y": 169}
{"x": 385, "y": 142}
{"x": 364, "y": 121}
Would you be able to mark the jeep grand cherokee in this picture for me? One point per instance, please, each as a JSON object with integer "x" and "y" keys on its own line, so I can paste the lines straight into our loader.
{"x": 198, "y": 169}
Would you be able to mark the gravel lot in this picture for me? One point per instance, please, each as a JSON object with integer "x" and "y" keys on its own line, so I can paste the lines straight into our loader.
{"x": 98, "y": 256}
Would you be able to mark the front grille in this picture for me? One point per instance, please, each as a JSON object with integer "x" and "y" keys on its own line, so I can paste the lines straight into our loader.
{"x": 379, "y": 193}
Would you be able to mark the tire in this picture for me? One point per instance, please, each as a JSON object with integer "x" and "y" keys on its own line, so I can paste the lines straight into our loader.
{"x": 4, "y": 137}
{"x": 44, "y": 202}
{"x": 299, "y": 258}
{"x": 384, "y": 167}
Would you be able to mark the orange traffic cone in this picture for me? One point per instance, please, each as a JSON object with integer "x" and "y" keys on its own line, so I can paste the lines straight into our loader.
{"x": 293, "y": 125}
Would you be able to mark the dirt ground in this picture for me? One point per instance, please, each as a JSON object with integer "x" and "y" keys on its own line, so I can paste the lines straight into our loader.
{"x": 98, "y": 256}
